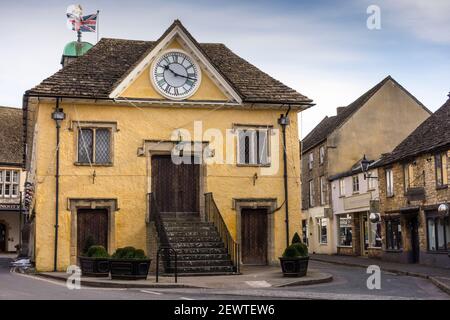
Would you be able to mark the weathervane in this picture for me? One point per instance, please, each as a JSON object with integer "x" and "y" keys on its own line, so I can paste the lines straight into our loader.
{"x": 79, "y": 23}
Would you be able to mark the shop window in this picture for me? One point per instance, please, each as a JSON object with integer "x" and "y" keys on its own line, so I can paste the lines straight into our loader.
{"x": 323, "y": 230}
{"x": 253, "y": 146}
{"x": 393, "y": 234}
{"x": 375, "y": 234}
{"x": 345, "y": 230}
{"x": 438, "y": 233}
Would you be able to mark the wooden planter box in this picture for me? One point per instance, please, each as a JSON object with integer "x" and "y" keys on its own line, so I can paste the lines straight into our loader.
{"x": 294, "y": 267}
{"x": 129, "y": 269}
{"x": 94, "y": 267}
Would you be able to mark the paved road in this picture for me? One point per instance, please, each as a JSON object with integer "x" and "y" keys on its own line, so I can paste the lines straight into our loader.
{"x": 349, "y": 283}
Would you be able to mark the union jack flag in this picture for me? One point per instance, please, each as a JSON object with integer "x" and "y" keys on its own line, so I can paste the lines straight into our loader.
{"x": 85, "y": 24}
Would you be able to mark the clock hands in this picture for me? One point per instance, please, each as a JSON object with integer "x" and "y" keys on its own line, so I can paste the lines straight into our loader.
{"x": 178, "y": 75}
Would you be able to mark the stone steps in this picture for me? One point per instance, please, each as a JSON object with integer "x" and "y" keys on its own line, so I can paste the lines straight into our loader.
{"x": 198, "y": 245}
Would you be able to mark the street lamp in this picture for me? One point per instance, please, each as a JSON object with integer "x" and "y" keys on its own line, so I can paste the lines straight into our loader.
{"x": 444, "y": 209}
{"x": 365, "y": 168}
{"x": 58, "y": 115}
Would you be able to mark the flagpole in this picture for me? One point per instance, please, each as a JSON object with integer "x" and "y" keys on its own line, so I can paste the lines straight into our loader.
{"x": 98, "y": 25}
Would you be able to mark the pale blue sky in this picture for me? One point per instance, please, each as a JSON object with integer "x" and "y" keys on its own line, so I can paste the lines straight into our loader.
{"x": 322, "y": 49}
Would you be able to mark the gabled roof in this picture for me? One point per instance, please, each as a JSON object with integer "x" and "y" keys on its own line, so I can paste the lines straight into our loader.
{"x": 11, "y": 136}
{"x": 103, "y": 68}
{"x": 329, "y": 124}
{"x": 432, "y": 135}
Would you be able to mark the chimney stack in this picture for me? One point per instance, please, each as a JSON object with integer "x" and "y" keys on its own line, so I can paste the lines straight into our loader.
{"x": 339, "y": 110}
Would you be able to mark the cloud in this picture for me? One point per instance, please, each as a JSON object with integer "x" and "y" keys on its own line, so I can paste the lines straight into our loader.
{"x": 427, "y": 20}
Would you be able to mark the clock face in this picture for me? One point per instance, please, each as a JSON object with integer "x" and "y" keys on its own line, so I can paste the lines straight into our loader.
{"x": 176, "y": 75}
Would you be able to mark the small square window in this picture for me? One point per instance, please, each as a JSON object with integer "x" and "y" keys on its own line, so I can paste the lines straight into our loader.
{"x": 94, "y": 146}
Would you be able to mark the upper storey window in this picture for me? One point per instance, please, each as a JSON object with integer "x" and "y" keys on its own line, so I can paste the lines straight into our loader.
{"x": 9, "y": 183}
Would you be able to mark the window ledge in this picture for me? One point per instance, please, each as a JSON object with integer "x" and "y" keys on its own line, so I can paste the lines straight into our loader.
{"x": 374, "y": 248}
{"x": 394, "y": 250}
{"x": 349, "y": 247}
{"x": 445, "y": 186}
{"x": 323, "y": 244}
{"x": 253, "y": 165}
{"x": 82, "y": 164}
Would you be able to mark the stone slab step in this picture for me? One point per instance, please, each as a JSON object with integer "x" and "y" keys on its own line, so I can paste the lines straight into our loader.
{"x": 179, "y": 245}
{"x": 212, "y": 256}
{"x": 202, "y": 233}
{"x": 182, "y": 251}
{"x": 200, "y": 263}
{"x": 211, "y": 274}
{"x": 203, "y": 269}
{"x": 195, "y": 239}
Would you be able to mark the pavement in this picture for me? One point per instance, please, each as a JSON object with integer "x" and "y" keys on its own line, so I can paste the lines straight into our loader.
{"x": 250, "y": 277}
{"x": 438, "y": 276}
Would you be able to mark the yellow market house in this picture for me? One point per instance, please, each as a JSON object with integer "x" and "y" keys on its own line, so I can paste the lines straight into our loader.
{"x": 103, "y": 136}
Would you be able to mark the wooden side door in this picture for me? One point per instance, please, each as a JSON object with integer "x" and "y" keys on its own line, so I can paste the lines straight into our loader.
{"x": 176, "y": 187}
{"x": 92, "y": 223}
{"x": 254, "y": 236}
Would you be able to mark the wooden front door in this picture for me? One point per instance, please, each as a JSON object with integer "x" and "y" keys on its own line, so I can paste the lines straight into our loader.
{"x": 254, "y": 236}
{"x": 176, "y": 187}
{"x": 92, "y": 224}
{"x": 2, "y": 237}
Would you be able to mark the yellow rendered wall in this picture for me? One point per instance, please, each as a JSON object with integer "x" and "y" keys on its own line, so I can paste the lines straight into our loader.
{"x": 127, "y": 179}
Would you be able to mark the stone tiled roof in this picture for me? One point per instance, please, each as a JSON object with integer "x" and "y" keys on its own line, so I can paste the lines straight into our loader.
{"x": 329, "y": 124}
{"x": 97, "y": 73}
{"x": 11, "y": 136}
{"x": 432, "y": 135}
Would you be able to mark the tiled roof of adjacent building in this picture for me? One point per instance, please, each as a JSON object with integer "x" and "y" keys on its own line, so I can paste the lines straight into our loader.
{"x": 98, "y": 72}
{"x": 432, "y": 135}
{"x": 11, "y": 136}
{"x": 329, "y": 124}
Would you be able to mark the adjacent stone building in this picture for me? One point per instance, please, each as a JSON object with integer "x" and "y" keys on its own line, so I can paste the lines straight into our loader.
{"x": 12, "y": 178}
{"x": 413, "y": 182}
{"x": 372, "y": 125}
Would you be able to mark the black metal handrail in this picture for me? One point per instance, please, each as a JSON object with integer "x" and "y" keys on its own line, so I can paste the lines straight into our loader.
{"x": 213, "y": 215}
{"x": 171, "y": 250}
{"x": 164, "y": 244}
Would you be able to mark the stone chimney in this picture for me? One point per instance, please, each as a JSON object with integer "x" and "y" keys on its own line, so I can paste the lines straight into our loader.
{"x": 339, "y": 110}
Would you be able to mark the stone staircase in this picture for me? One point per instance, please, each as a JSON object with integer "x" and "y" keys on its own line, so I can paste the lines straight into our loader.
{"x": 199, "y": 248}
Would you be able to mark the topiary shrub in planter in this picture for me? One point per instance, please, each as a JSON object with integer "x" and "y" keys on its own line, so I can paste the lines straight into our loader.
{"x": 129, "y": 264}
{"x": 294, "y": 262}
{"x": 95, "y": 262}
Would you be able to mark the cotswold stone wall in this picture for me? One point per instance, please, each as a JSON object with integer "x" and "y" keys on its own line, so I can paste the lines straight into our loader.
{"x": 424, "y": 175}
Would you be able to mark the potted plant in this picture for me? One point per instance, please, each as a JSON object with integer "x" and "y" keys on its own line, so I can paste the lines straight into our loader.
{"x": 294, "y": 262}
{"x": 129, "y": 264}
{"x": 95, "y": 262}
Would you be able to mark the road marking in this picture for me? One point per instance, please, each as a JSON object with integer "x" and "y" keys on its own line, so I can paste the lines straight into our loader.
{"x": 63, "y": 283}
{"x": 258, "y": 284}
{"x": 151, "y": 292}
{"x": 184, "y": 298}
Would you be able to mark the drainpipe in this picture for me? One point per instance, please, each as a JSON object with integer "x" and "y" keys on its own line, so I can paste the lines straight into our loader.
{"x": 58, "y": 115}
{"x": 283, "y": 121}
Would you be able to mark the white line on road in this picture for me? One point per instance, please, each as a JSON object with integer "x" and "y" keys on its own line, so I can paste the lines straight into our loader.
{"x": 184, "y": 298}
{"x": 151, "y": 292}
